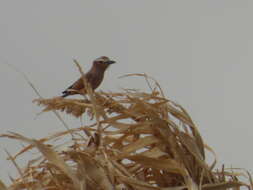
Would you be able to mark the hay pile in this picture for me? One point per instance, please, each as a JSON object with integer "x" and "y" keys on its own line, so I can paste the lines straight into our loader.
{"x": 135, "y": 140}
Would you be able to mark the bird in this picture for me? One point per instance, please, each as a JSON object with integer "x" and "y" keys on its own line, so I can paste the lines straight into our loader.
{"x": 94, "y": 77}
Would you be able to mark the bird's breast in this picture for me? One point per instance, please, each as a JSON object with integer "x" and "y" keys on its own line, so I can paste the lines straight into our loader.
{"x": 95, "y": 80}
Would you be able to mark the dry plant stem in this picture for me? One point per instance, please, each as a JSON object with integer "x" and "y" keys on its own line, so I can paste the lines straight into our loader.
{"x": 14, "y": 163}
{"x": 38, "y": 94}
{"x": 92, "y": 98}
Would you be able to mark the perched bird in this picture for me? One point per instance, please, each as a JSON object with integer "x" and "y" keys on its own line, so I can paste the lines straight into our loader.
{"x": 94, "y": 77}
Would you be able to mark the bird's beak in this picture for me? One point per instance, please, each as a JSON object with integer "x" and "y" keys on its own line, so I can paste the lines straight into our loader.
{"x": 111, "y": 62}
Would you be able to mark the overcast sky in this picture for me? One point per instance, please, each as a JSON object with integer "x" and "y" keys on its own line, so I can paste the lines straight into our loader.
{"x": 200, "y": 51}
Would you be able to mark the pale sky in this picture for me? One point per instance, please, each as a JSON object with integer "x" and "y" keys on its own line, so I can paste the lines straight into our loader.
{"x": 200, "y": 51}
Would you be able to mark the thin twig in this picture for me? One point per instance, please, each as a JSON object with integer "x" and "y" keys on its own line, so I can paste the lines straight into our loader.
{"x": 37, "y": 92}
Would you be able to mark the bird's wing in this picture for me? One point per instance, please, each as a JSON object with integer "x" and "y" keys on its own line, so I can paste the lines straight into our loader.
{"x": 78, "y": 85}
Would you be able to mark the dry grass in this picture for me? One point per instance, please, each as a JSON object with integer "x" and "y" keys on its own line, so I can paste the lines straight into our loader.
{"x": 136, "y": 140}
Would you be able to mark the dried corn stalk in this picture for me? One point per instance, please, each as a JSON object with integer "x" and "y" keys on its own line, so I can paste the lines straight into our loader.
{"x": 138, "y": 141}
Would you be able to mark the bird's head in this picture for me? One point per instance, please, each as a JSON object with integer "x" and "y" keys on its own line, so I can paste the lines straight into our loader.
{"x": 103, "y": 62}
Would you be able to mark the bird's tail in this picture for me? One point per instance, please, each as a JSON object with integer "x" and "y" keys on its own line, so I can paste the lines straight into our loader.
{"x": 65, "y": 94}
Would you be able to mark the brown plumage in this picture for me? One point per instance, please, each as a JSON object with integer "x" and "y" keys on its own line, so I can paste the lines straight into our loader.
{"x": 94, "y": 77}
